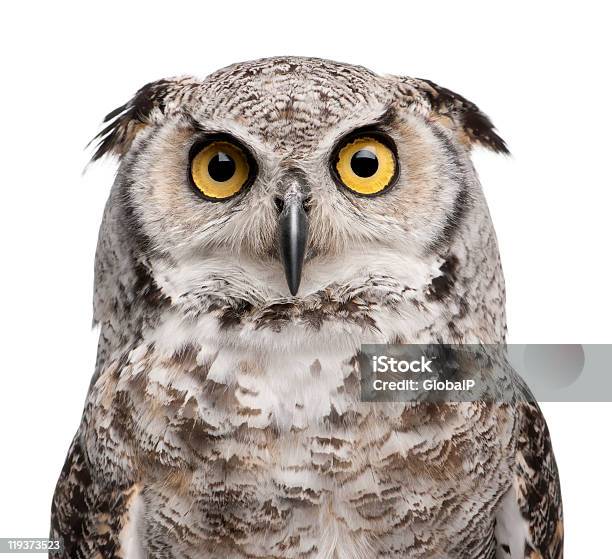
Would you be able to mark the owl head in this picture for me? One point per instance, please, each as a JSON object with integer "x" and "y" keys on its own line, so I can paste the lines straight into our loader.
{"x": 297, "y": 191}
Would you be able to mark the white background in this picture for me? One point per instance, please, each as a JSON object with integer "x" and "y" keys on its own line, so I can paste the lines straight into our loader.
{"x": 541, "y": 71}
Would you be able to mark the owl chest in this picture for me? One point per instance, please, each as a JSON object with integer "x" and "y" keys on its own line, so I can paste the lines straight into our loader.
{"x": 331, "y": 489}
{"x": 234, "y": 462}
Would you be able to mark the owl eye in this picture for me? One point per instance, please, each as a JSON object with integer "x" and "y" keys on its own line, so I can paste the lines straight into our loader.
{"x": 220, "y": 169}
{"x": 366, "y": 165}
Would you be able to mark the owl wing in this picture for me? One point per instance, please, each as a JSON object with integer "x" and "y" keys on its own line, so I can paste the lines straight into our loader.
{"x": 86, "y": 517}
{"x": 529, "y": 522}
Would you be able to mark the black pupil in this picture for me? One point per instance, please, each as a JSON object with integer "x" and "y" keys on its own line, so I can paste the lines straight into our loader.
{"x": 221, "y": 167}
{"x": 364, "y": 163}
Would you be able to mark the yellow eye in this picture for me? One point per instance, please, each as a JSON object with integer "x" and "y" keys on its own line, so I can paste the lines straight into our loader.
{"x": 366, "y": 166}
{"x": 220, "y": 170}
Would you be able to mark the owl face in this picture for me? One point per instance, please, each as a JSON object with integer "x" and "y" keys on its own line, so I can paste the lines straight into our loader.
{"x": 290, "y": 179}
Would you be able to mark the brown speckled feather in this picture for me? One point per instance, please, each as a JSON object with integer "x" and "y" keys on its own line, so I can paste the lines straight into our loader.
{"x": 85, "y": 516}
{"x": 538, "y": 483}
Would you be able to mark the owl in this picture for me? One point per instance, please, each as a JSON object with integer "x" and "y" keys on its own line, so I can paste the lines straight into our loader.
{"x": 265, "y": 222}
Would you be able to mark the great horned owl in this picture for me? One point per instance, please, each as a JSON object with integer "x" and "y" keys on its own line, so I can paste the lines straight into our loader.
{"x": 264, "y": 223}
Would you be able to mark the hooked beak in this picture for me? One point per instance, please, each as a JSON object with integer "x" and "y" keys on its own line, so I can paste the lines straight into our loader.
{"x": 292, "y": 238}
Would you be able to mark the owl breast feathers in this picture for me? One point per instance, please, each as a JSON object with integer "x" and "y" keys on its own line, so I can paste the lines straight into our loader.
{"x": 265, "y": 222}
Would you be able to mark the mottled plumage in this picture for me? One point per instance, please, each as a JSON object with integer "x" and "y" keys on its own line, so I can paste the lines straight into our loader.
{"x": 224, "y": 418}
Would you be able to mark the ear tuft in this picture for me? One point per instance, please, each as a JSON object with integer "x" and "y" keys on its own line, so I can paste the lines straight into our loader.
{"x": 475, "y": 124}
{"x": 125, "y": 121}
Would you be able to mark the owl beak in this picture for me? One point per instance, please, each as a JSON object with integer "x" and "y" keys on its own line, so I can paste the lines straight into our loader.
{"x": 292, "y": 238}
